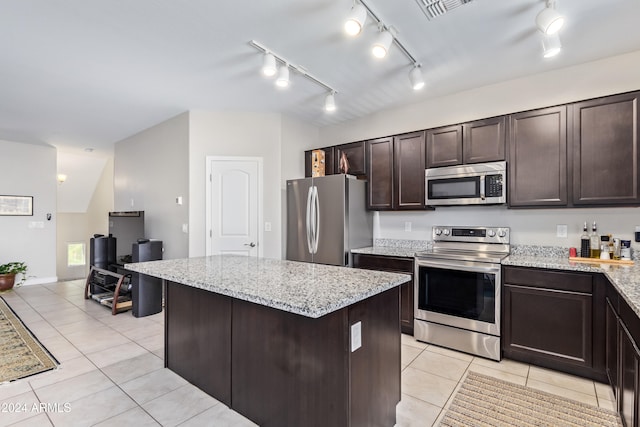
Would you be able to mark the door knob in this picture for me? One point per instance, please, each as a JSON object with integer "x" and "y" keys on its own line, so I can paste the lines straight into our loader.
{"x": 253, "y": 245}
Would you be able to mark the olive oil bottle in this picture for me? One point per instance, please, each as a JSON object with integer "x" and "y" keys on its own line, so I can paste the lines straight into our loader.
{"x": 595, "y": 242}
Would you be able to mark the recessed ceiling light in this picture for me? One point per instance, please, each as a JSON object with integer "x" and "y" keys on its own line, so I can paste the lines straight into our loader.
{"x": 89, "y": 150}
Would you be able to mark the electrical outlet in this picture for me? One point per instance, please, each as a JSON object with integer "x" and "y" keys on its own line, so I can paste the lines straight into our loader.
{"x": 561, "y": 230}
{"x": 267, "y": 226}
{"x": 407, "y": 226}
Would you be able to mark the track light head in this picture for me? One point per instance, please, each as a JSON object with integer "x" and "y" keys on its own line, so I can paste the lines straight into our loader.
{"x": 549, "y": 21}
{"x": 382, "y": 44}
{"x": 416, "y": 79}
{"x": 283, "y": 76}
{"x": 355, "y": 22}
{"x": 269, "y": 68}
{"x": 330, "y": 103}
{"x": 551, "y": 45}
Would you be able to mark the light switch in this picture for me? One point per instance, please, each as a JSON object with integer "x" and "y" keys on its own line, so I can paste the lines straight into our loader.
{"x": 185, "y": 228}
{"x": 356, "y": 336}
{"x": 179, "y": 200}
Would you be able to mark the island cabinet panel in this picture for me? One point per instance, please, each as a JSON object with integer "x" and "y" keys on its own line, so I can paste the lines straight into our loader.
{"x": 605, "y": 151}
{"x": 538, "y": 158}
{"x": 198, "y": 339}
{"x": 484, "y": 140}
{"x": 444, "y": 146}
{"x": 394, "y": 265}
{"x": 380, "y": 186}
{"x": 290, "y": 370}
{"x": 554, "y": 319}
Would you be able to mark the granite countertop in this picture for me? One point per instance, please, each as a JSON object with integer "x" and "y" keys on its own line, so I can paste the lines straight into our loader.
{"x": 625, "y": 278}
{"x": 311, "y": 290}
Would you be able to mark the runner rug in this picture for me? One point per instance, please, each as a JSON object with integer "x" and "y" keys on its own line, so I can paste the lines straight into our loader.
{"x": 21, "y": 354}
{"x": 486, "y": 401}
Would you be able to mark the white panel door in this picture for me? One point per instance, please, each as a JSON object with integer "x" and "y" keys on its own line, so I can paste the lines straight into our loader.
{"x": 234, "y": 206}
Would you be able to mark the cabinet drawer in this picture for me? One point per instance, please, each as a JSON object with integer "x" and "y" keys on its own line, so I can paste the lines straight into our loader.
{"x": 550, "y": 279}
{"x": 383, "y": 263}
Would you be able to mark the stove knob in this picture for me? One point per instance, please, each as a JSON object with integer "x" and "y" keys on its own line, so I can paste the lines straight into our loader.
{"x": 437, "y": 232}
{"x": 491, "y": 233}
{"x": 446, "y": 231}
{"x": 502, "y": 233}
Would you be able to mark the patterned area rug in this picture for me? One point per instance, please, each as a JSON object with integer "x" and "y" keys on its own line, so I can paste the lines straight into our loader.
{"x": 21, "y": 354}
{"x": 486, "y": 401}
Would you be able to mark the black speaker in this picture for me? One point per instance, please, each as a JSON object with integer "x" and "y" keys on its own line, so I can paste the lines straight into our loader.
{"x": 102, "y": 251}
{"x": 146, "y": 291}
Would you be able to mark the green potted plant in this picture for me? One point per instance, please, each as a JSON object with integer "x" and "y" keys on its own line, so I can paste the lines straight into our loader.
{"x": 8, "y": 274}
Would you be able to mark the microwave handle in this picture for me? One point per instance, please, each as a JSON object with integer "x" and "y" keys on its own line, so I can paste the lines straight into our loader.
{"x": 482, "y": 192}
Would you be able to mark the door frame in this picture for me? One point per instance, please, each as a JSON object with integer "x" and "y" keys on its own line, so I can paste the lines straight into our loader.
{"x": 208, "y": 201}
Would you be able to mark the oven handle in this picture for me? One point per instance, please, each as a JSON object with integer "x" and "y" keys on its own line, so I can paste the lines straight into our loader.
{"x": 459, "y": 265}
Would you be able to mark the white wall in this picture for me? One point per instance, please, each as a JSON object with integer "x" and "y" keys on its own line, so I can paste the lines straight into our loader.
{"x": 151, "y": 169}
{"x": 234, "y": 134}
{"x": 599, "y": 78}
{"x": 30, "y": 171}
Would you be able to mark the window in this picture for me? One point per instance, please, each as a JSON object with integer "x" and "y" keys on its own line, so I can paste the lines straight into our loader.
{"x": 75, "y": 254}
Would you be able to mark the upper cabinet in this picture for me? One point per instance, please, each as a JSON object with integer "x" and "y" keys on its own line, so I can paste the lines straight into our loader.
{"x": 309, "y": 161}
{"x": 484, "y": 140}
{"x": 538, "y": 158}
{"x": 473, "y": 142}
{"x": 444, "y": 146}
{"x": 351, "y": 157}
{"x": 605, "y": 151}
{"x": 396, "y": 172}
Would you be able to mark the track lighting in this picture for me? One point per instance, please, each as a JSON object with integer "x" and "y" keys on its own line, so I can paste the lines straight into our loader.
{"x": 283, "y": 76}
{"x": 415, "y": 77}
{"x": 549, "y": 21}
{"x": 551, "y": 45}
{"x": 330, "y": 103}
{"x": 382, "y": 44}
{"x": 269, "y": 65}
{"x": 355, "y": 22}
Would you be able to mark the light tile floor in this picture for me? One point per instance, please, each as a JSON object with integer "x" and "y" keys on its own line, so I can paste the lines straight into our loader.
{"x": 111, "y": 372}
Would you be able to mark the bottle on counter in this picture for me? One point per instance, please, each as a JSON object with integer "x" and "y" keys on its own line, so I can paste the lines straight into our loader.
{"x": 617, "y": 249}
{"x": 595, "y": 242}
{"x": 585, "y": 242}
{"x": 604, "y": 247}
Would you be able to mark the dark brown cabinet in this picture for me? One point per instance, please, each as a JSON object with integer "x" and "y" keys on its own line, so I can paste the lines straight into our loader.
{"x": 538, "y": 158}
{"x": 355, "y": 153}
{"x": 396, "y": 172}
{"x": 605, "y": 151}
{"x": 381, "y": 183}
{"x": 394, "y": 265}
{"x": 484, "y": 140}
{"x": 444, "y": 146}
{"x": 474, "y": 142}
{"x": 553, "y": 319}
{"x": 329, "y": 162}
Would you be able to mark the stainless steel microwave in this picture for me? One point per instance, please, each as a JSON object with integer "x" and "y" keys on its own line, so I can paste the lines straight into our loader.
{"x": 477, "y": 184}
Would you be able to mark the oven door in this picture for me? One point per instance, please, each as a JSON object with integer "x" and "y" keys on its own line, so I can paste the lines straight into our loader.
{"x": 461, "y": 294}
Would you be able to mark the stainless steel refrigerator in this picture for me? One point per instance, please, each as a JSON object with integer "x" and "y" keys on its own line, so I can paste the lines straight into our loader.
{"x": 326, "y": 218}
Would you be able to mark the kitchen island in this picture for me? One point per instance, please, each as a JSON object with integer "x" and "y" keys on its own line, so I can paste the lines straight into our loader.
{"x": 285, "y": 343}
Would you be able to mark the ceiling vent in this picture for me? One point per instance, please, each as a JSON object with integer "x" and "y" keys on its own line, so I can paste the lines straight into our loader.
{"x": 434, "y": 8}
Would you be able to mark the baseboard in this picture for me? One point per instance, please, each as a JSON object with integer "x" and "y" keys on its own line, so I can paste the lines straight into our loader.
{"x": 40, "y": 280}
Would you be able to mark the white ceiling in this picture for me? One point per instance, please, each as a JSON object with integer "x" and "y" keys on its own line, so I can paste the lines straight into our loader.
{"x": 77, "y": 73}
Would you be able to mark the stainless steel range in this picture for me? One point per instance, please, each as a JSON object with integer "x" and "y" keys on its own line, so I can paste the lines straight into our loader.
{"x": 457, "y": 294}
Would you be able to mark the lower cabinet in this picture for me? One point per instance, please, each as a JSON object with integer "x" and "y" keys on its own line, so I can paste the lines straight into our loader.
{"x": 554, "y": 319}
{"x": 623, "y": 356}
{"x": 394, "y": 265}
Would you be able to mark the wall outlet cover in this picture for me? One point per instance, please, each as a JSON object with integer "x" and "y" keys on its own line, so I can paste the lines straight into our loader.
{"x": 356, "y": 336}
{"x": 561, "y": 230}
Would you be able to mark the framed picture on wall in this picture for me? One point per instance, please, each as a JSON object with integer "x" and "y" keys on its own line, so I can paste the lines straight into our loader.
{"x": 16, "y": 205}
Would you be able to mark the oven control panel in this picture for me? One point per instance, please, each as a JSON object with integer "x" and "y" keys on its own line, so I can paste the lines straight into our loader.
{"x": 447, "y": 233}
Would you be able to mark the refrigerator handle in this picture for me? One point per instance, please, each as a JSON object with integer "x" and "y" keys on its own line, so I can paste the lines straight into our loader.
{"x": 308, "y": 220}
{"x": 316, "y": 219}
